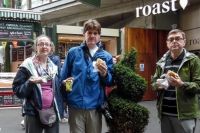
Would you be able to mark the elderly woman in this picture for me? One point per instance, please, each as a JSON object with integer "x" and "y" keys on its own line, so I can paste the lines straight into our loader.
{"x": 37, "y": 81}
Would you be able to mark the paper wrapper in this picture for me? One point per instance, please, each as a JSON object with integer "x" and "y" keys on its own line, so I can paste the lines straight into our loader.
{"x": 164, "y": 83}
{"x": 69, "y": 85}
{"x": 44, "y": 79}
{"x": 95, "y": 66}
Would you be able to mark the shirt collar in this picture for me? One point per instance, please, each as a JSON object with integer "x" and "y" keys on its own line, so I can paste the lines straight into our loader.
{"x": 180, "y": 57}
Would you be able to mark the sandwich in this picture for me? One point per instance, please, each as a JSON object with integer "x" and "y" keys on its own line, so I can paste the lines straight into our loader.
{"x": 99, "y": 61}
{"x": 173, "y": 74}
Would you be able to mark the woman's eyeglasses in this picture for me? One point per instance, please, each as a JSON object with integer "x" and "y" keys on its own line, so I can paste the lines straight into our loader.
{"x": 41, "y": 44}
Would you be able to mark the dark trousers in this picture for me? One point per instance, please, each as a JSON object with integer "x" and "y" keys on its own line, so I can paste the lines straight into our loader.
{"x": 174, "y": 125}
{"x": 32, "y": 126}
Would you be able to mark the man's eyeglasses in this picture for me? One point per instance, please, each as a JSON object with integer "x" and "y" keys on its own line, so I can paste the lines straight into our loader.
{"x": 94, "y": 33}
{"x": 41, "y": 44}
{"x": 177, "y": 39}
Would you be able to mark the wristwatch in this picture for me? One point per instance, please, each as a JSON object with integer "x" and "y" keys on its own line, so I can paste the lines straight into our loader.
{"x": 185, "y": 85}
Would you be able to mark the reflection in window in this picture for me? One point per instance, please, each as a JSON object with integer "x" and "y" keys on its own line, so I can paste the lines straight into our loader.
{"x": 34, "y": 3}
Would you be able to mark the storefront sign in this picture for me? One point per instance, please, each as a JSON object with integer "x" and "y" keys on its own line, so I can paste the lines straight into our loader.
{"x": 193, "y": 39}
{"x": 158, "y": 8}
{"x": 16, "y": 31}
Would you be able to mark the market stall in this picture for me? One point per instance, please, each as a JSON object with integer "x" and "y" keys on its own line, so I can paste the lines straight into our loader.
{"x": 18, "y": 29}
{"x": 7, "y": 97}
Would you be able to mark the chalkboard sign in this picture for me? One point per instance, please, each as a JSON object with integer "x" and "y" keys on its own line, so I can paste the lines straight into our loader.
{"x": 28, "y": 51}
{"x": 10, "y": 30}
{"x": 14, "y": 54}
{"x": 21, "y": 54}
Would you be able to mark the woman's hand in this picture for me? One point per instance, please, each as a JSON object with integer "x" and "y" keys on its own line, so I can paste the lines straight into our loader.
{"x": 37, "y": 80}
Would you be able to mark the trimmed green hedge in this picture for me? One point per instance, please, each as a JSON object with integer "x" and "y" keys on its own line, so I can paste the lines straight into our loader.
{"x": 128, "y": 115}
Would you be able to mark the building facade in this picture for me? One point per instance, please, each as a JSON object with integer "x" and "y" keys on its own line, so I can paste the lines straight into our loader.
{"x": 140, "y": 24}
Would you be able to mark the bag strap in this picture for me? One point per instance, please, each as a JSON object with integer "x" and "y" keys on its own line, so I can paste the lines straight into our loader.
{"x": 86, "y": 54}
{"x": 35, "y": 106}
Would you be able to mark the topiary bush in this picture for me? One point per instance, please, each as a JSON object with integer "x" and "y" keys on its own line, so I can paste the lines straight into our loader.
{"x": 128, "y": 115}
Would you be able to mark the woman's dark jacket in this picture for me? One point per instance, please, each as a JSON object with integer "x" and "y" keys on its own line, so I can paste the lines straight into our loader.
{"x": 26, "y": 90}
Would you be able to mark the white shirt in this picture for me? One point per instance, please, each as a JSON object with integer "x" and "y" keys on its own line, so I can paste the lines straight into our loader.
{"x": 93, "y": 51}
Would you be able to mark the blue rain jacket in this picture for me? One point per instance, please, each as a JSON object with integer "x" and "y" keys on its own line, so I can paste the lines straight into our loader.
{"x": 88, "y": 86}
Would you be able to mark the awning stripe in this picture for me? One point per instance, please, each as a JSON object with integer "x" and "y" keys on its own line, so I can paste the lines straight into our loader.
{"x": 19, "y": 15}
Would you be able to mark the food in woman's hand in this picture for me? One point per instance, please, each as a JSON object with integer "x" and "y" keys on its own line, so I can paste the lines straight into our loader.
{"x": 69, "y": 85}
{"x": 99, "y": 61}
{"x": 44, "y": 79}
{"x": 173, "y": 74}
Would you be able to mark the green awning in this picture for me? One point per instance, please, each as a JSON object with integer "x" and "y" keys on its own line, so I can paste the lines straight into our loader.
{"x": 10, "y": 13}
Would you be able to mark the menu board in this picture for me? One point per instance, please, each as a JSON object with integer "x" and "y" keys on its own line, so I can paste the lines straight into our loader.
{"x": 21, "y": 54}
{"x": 61, "y": 50}
{"x": 14, "y": 54}
{"x": 10, "y": 100}
{"x": 7, "y": 100}
{"x": 16, "y": 100}
{"x": 28, "y": 51}
{"x": 11, "y": 30}
{"x": 1, "y": 100}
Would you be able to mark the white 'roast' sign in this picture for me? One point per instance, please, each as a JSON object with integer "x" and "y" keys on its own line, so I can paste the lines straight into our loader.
{"x": 158, "y": 8}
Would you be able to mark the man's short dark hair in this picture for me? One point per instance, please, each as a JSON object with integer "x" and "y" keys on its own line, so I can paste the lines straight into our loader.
{"x": 92, "y": 24}
{"x": 177, "y": 31}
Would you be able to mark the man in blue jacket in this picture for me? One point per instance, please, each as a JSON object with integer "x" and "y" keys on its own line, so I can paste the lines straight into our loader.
{"x": 87, "y": 92}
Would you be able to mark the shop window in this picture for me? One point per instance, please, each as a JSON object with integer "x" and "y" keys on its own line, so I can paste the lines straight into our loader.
{"x": 19, "y": 54}
{"x": 64, "y": 48}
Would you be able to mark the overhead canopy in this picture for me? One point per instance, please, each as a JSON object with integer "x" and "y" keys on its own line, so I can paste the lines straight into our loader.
{"x": 19, "y": 15}
{"x": 95, "y": 3}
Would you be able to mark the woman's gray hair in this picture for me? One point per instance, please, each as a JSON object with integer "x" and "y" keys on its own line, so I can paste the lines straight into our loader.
{"x": 36, "y": 40}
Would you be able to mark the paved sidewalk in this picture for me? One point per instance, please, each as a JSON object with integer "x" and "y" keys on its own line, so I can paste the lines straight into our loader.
{"x": 154, "y": 125}
{"x": 10, "y": 119}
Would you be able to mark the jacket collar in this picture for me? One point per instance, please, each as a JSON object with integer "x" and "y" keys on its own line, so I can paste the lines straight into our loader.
{"x": 188, "y": 56}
